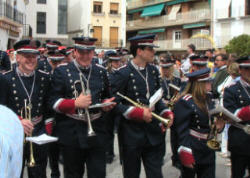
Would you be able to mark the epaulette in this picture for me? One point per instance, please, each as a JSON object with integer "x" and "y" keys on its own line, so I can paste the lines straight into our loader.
{"x": 100, "y": 66}
{"x": 231, "y": 84}
{"x": 122, "y": 67}
{"x": 7, "y": 72}
{"x": 63, "y": 64}
{"x": 39, "y": 70}
{"x": 187, "y": 97}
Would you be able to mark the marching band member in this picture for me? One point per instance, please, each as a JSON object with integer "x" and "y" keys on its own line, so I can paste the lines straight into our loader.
{"x": 237, "y": 100}
{"x": 75, "y": 86}
{"x": 167, "y": 76}
{"x": 43, "y": 63}
{"x": 114, "y": 62}
{"x": 25, "y": 82}
{"x": 141, "y": 136}
{"x": 192, "y": 126}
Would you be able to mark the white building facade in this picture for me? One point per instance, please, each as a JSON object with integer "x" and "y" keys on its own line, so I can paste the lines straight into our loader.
{"x": 230, "y": 18}
{"x": 102, "y": 19}
{"x": 48, "y": 20}
{"x": 12, "y": 18}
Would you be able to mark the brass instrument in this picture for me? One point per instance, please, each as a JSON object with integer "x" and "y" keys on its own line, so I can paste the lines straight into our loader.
{"x": 174, "y": 98}
{"x": 163, "y": 120}
{"x": 26, "y": 110}
{"x": 212, "y": 141}
{"x": 91, "y": 131}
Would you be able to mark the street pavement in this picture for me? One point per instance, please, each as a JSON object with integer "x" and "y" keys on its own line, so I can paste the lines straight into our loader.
{"x": 114, "y": 170}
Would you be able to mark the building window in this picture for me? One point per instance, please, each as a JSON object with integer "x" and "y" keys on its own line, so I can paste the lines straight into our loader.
{"x": 62, "y": 17}
{"x": 177, "y": 35}
{"x": 41, "y": 22}
{"x": 41, "y": 1}
{"x": 97, "y": 7}
{"x": 247, "y": 7}
{"x": 114, "y": 8}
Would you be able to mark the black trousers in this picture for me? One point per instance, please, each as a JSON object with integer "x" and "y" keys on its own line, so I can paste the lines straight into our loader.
{"x": 202, "y": 171}
{"x": 240, "y": 165}
{"x": 40, "y": 153}
{"x": 54, "y": 152}
{"x": 75, "y": 160}
{"x": 151, "y": 156}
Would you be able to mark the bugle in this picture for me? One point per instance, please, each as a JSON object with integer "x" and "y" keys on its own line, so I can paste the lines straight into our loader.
{"x": 163, "y": 120}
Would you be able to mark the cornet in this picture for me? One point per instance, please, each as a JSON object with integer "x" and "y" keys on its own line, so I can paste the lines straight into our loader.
{"x": 26, "y": 114}
{"x": 212, "y": 141}
{"x": 163, "y": 120}
{"x": 91, "y": 131}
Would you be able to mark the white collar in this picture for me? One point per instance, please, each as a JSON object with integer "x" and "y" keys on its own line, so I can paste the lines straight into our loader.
{"x": 222, "y": 67}
{"x": 22, "y": 74}
{"x": 81, "y": 67}
{"x": 136, "y": 66}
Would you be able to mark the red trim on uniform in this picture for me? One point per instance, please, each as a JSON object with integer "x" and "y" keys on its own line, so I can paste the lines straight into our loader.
{"x": 20, "y": 118}
{"x": 167, "y": 114}
{"x": 136, "y": 114}
{"x": 49, "y": 127}
{"x": 67, "y": 106}
{"x": 28, "y": 47}
{"x": 244, "y": 113}
{"x": 186, "y": 157}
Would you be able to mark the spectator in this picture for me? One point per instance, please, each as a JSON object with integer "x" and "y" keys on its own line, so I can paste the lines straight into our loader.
{"x": 11, "y": 144}
{"x": 185, "y": 67}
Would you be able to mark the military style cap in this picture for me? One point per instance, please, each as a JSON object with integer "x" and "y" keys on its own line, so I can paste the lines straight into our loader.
{"x": 200, "y": 75}
{"x": 84, "y": 43}
{"x": 200, "y": 60}
{"x": 122, "y": 51}
{"x": 166, "y": 63}
{"x": 56, "y": 55}
{"x": 27, "y": 46}
{"x": 69, "y": 50}
{"x": 112, "y": 55}
{"x": 52, "y": 44}
{"x": 244, "y": 61}
{"x": 143, "y": 40}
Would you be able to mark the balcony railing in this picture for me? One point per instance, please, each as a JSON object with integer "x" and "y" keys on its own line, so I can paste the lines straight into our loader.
{"x": 132, "y": 4}
{"x": 165, "y": 20}
{"x": 27, "y": 31}
{"x": 8, "y": 11}
{"x": 201, "y": 44}
{"x": 104, "y": 43}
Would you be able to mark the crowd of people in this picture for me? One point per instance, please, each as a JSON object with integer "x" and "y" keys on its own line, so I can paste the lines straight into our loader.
{"x": 84, "y": 98}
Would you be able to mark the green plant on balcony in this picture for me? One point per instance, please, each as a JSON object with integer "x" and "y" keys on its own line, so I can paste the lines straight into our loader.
{"x": 239, "y": 45}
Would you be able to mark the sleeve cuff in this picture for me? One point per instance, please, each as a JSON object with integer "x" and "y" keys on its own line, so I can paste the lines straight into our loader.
{"x": 166, "y": 113}
{"x": 134, "y": 113}
{"x": 186, "y": 155}
{"x": 66, "y": 106}
{"x": 244, "y": 113}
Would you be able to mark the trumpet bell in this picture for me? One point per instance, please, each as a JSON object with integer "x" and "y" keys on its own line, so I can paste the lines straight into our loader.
{"x": 32, "y": 163}
{"x": 91, "y": 134}
{"x": 213, "y": 144}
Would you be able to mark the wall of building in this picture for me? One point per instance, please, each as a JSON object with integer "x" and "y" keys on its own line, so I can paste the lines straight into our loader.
{"x": 51, "y": 9}
{"x": 230, "y": 26}
{"x": 4, "y": 39}
{"x": 106, "y": 20}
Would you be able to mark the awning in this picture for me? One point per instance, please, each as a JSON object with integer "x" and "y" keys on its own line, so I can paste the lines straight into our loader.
{"x": 135, "y": 10}
{"x": 158, "y": 30}
{"x": 175, "y": 9}
{"x": 194, "y": 25}
{"x": 152, "y": 10}
{"x": 170, "y": 3}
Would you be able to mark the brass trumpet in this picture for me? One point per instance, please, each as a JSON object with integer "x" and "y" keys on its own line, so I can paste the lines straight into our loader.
{"x": 163, "y": 120}
{"x": 174, "y": 98}
{"x": 212, "y": 141}
{"x": 91, "y": 131}
{"x": 26, "y": 110}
